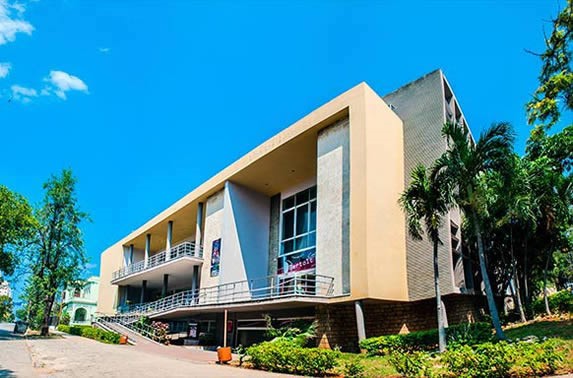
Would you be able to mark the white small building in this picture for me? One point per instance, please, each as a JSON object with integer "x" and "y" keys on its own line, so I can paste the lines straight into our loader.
{"x": 5, "y": 289}
{"x": 81, "y": 303}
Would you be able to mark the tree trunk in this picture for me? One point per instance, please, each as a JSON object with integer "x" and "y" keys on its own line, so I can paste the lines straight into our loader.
{"x": 45, "y": 330}
{"x": 545, "y": 299}
{"x": 525, "y": 276}
{"x": 441, "y": 328}
{"x": 488, "y": 291}
{"x": 516, "y": 279}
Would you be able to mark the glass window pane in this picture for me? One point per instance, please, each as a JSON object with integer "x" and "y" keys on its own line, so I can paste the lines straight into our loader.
{"x": 288, "y": 224}
{"x": 312, "y": 216}
{"x": 287, "y": 247}
{"x": 312, "y": 192}
{"x": 301, "y": 242}
{"x": 288, "y": 203}
{"x": 311, "y": 239}
{"x": 302, "y": 215}
{"x": 302, "y": 197}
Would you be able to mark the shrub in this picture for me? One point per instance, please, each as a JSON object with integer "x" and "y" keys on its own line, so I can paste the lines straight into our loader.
{"x": 485, "y": 360}
{"x": 353, "y": 368}
{"x": 559, "y": 302}
{"x": 285, "y": 356}
{"x": 523, "y": 359}
{"x": 537, "y": 359}
{"x": 414, "y": 364}
{"x": 91, "y": 333}
{"x": 460, "y": 334}
{"x": 65, "y": 318}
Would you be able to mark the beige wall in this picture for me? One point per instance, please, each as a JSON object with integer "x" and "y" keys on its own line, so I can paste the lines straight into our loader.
{"x": 385, "y": 223}
{"x": 110, "y": 261}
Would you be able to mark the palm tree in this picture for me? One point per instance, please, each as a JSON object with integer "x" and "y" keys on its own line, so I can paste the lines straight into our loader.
{"x": 518, "y": 203}
{"x": 425, "y": 200}
{"x": 463, "y": 164}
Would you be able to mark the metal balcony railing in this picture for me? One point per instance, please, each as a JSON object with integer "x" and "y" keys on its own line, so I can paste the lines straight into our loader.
{"x": 267, "y": 288}
{"x": 180, "y": 250}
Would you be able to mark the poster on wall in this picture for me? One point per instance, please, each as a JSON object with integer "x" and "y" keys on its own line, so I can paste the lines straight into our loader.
{"x": 297, "y": 262}
{"x": 215, "y": 257}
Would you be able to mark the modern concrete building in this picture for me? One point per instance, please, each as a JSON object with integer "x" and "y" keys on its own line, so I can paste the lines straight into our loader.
{"x": 305, "y": 226}
{"x": 81, "y": 303}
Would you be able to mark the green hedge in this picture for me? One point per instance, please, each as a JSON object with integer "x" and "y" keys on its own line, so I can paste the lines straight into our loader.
{"x": 284, "y": 356}
{"x": 461, "y": 334}
{"x": 523, "y": 359}
{"x": 559, "y": 302}
{"x": 91, "y": 333}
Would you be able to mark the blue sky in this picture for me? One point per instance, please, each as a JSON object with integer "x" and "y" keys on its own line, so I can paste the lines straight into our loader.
{"x": 145, "y": 100}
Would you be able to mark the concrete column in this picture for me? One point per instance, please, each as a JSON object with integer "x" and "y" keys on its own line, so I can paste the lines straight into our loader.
{"x": 147, "y": 248}
{"x": 165, "y": 282}
{"x": 143, "y": 289}
{"x": 360, "y": 321}
{"x": 168, "y": 240}
{"x": 195, "y": 279}
{"x": 126, "y": 295}
{"x": 199, "y": 229}
{"x": 131, "y": 254}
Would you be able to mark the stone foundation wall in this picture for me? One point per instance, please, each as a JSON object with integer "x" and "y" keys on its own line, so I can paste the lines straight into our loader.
{"x": 337, "y": 323}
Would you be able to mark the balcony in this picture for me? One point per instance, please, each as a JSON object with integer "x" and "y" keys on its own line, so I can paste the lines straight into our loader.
{"x": 185, "y": 251}
{"x": 301, "y": 288}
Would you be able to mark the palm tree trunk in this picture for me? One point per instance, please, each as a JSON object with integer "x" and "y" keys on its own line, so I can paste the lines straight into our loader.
{"x": 485, "y": 278}
{"x": 545, "y": 298}
{"x": 516, "y": 279}
{"x": 441, "y": 328}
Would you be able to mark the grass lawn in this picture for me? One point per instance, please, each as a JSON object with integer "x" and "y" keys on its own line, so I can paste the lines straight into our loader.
{"x": 560, "y": 328}
{"x": 378, "y": 366}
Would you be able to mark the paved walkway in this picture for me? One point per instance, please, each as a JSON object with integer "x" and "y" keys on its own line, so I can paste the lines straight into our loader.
{"x": 74, "y": 356}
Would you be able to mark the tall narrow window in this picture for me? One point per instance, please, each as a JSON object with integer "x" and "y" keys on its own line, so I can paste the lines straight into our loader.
{"x": 298, "y": 233}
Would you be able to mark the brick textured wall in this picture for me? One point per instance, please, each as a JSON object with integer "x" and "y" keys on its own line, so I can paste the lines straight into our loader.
{"x": 337, "y": 323}
{"x": 420, "y": 105}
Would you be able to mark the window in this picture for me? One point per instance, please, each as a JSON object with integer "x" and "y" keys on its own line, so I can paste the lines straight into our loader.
{"x": 77, "y": 293}
{"x": 80, "y": 315}
{"x": 298, "y": 233}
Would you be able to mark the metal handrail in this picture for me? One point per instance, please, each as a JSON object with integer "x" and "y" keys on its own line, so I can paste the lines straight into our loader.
{"x": 178, "y": 251}
{"x": 132, "y": 323}
{"x": 241, "y": 291}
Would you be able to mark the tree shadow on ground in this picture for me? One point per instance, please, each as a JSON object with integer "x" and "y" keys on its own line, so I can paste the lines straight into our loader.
{"x": 6, "y": 373}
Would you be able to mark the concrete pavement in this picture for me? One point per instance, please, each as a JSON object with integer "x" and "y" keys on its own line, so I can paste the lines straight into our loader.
{"x": 74, "y": 356}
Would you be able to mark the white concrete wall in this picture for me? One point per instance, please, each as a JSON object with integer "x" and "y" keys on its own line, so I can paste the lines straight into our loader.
{"x": 245, "y": 236}
{"x": 333, "y": 216}
{"x": 213, "y": 230}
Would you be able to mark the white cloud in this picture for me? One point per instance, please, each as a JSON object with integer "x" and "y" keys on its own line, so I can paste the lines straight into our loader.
{"x": 104, "y": 50}
{"x": 23, "y": 94}
{"x": 5, "y": 69}
{"x": 61, "y": 82}
{"x": 11, "y": 24}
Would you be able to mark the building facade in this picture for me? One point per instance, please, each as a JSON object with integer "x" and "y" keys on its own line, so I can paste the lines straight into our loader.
{"x": 305, "y": 226}
{"x": 81, "y": 302}
{"x": 5, "y": 288}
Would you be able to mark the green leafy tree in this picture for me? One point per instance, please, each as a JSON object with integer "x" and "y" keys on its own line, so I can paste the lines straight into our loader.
{"x": 15, "y": 224}
{"x": 426, "y": 200}
{"x": 6, "y": 309}
{"x": 555, "y": 92}
{"x": 464, "y": 163}
{"x": 57, "y": 255}
{"x": 518, "y": 207}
